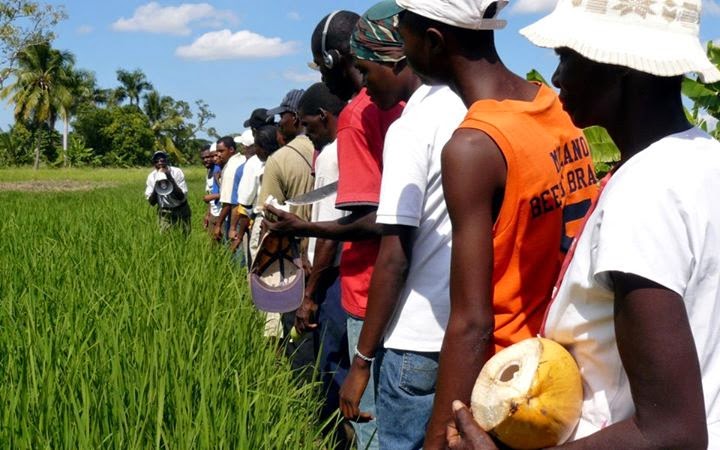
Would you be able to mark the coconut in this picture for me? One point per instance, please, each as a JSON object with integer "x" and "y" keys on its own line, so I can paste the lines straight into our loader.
{"x": 529, "y": 395}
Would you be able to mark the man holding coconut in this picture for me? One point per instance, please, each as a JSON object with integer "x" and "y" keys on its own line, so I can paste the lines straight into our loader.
{"x": 638, "y": 303}
{"x": 517, "y": 177}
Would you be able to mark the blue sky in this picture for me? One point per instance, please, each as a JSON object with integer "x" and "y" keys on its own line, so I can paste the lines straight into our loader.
{"x": 241, "y": 55}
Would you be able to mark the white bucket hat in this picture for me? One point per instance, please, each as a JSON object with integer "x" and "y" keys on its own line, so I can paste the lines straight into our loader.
{"x": 467, "y": 14}
{"x": 652, "y": 36}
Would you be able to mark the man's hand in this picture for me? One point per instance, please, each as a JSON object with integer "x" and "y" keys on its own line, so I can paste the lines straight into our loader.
{"x": 352, "y": 389}
{"x": 285, "y": 222}
{"x": 217, "y": 232}
{"x": 305, "y": 315}
{"x": 464, "y": 433}
{"x": 206, "y": 221}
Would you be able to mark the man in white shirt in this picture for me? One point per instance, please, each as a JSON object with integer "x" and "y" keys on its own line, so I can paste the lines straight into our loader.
{"x": 232, "y": 163}
{"x": 409, "y": 300}
{"x": 166, "y": 188}
{"x": 321, "y": 310}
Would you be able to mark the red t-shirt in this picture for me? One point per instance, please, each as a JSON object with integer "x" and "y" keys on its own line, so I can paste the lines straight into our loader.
{"x": 360, "y": 136}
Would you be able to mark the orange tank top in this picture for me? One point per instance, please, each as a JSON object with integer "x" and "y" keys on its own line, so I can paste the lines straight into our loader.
{"x": 550, "y": 184}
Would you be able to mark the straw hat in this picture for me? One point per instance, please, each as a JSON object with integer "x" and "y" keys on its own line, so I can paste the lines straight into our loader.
{"x": 659, "y": 37}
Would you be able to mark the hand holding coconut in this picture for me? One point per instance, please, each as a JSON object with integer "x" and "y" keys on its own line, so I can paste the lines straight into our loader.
{"x": 528, "y": 396}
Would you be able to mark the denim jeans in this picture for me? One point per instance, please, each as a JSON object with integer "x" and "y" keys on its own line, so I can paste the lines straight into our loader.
{"x": 405, "y": 393}
{"x": 365, "y": 433}
{"x": 334, "y": 362}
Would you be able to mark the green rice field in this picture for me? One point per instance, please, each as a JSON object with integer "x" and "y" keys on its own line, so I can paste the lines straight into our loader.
{"x": 115, "y": 336}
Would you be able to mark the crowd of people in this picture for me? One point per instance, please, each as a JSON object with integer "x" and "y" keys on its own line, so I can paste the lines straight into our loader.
{"x": 467, "y": 216}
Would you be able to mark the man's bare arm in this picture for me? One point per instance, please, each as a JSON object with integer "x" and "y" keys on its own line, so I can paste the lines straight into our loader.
{"x": 358, "y": 226}
{"x": 474, "y": 174}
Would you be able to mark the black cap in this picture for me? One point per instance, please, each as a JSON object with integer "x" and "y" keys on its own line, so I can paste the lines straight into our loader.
{"x": 159, "y": 154}
{"x": 258, "y": 118}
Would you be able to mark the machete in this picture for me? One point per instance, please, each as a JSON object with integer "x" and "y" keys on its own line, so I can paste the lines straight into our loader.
{"x": 313, "y": 196}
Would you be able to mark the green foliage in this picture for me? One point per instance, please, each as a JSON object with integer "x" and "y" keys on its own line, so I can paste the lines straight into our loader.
{"x": 705, "y": 97}
{"x": 132, "y": 141}
{"x": 117, "y": 337}
{"x": 536, "y": 76}
{"x": 16, "y": 146}
{"x": 24, "y": 23}
{"x": 604, "y": 151}
{"x": 119, "y": 136}
{"x": 90, "y": 123}
{"x": 78, "y": 154}
{"x": 132, "y": 85}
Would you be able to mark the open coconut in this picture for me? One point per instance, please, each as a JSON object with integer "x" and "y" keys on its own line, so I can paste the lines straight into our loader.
{"x": 529, "y": 395}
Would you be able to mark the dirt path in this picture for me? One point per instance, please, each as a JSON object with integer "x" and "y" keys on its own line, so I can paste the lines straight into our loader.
{"x": 54, "y": 186}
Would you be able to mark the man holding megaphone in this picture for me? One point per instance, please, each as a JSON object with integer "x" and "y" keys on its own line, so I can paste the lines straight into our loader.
{"x": 167, "y": 189}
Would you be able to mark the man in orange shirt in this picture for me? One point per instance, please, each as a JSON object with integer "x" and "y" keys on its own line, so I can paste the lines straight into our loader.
{"x": 515, "y": 175}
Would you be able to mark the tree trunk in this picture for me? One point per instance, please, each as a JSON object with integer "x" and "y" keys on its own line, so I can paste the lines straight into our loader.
{"x": 65, "y": 140}
{"x": 36, "y": 164}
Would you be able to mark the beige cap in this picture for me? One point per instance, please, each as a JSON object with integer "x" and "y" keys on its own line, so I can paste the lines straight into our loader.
{"x": 660, "y": 38}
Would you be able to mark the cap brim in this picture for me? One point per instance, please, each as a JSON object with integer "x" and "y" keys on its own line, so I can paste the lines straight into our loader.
{"x": 313, "y": 66}
{"x": 651, "y": 50}
{"x": 278, "y": 110}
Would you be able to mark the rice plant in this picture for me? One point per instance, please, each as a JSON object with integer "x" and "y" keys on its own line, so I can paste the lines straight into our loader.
{"x": 113, "y": 335}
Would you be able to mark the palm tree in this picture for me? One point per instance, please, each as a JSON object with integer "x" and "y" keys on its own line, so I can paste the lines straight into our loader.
{"x": 166, "y": 117}
{"x": 40, "y": 89}
{"x": 132, "y": 85}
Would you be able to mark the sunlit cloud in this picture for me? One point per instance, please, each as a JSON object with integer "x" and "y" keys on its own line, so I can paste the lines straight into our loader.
{"x": 175, "y": 20}
{"x": 243, "y": 44}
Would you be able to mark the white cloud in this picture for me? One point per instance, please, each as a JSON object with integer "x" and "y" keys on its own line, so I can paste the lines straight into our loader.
{"x": 154, "y": 18}
{"x": 309, "y": 76}
{"x": 243, "y": 44}
{"x": 294, "y": 15}
{"x": 711, "y": 7}
{"x": 533, "y": 6}
{"x": 84, "y": 29}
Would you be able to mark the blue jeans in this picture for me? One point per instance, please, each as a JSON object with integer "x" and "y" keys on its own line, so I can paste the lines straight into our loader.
{"x": 405, "y": 394}
{"x": 334, "y": 362}
{"x": 365, "y": 433}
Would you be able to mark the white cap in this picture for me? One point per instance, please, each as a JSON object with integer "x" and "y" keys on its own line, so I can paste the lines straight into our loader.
{"x": 659, "y": 38}
{"x": 467, "y": 14}
{"x": 213, "y": 147}
{"x": 246, "y": 138}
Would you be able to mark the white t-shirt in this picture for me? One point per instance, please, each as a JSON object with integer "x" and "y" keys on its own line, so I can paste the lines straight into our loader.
{"x": 326, "y": 172}
{"x": 209, "y": 187}
{"x": 230, "y": 178}
{"x": 659, "y": 218}
{"x": 166, "y": 201}
{"x": 412, "y": 195}
{"x": 250, "y": 182}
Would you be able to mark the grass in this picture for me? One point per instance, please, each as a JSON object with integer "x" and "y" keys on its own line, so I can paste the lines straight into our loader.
{"x": 114, "y": 336}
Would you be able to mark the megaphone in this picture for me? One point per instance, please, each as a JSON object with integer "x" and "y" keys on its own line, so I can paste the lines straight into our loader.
{"x": 163, "y": 186}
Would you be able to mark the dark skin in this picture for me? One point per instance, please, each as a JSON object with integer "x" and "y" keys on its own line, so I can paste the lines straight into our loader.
{"x": 321, "y": 128}
{"x": 208, "y": 160}
{"x": 388, "y": 84}
{"x": 440, "y": 56}
{"x": 345, "y": 81}
{"x": 223, "y": 154}
{"x": 653, "y": 335}
{"x": 161, "y": 165}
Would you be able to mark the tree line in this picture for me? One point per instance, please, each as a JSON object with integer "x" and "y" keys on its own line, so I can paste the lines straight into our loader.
{"x": 118, "y": 126}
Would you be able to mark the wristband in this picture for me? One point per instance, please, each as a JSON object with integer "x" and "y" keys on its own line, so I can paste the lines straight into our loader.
{"x": 363, "y": 357}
